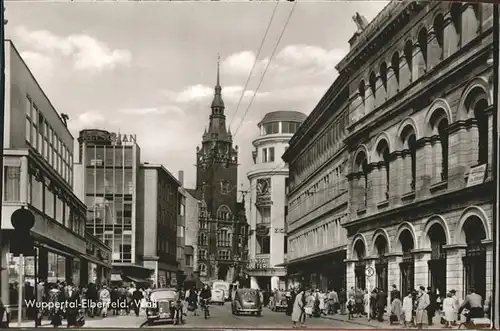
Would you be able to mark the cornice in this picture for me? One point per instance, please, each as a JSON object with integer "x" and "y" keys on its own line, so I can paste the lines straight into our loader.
{"x": 274, "y": 138}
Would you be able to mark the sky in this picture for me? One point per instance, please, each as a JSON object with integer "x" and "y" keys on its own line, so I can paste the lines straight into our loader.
{"x": 149, "y": 68}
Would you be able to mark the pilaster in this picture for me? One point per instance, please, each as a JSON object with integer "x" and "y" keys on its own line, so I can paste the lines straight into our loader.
{"x": 374, "y": 184}
{"x": 437, "y": 152}
{"x": 490, "y": 144}
{"x": 406, "y": 183}
{"x": 396, "y": 176}
{"x": 350, "y": 276}
{"x": 424, "y": 168}
{"x": 455, "y": 268}
{"x": 471, "y": 150}
{"x": 457, "y": 163}
{"x": 422, "y": 256}
{"x": 489, "y": 265}
{"x": 394, "y": 272}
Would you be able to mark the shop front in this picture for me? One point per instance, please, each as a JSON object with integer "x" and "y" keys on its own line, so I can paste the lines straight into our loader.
{"x": 96, "y": 263}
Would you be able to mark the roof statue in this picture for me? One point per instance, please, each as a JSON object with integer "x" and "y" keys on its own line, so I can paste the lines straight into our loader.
{"x": 361, "y": 22}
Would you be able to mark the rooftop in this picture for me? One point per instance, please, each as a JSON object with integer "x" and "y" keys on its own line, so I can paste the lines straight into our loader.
{"x": 283, "y": 116}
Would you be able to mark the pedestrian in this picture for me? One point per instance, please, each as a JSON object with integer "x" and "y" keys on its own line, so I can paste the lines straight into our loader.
{"x": 449, "y": 310}
{"x": 381, "y": 304}
{"x": 395, "y": 292}
{"x": 105, "y": 299}
{"x": 342, "y": 301}
{"x": 359, "y": 298}
{"x": 395, "y": 311}
{"x": 56, "y": 299}
{"x": 431, "y": 309}
{"x": 136, "y": 301}
{"x": 367, "y": 304}
{"x": 73, "y": 304}
{"x": 193, "y": 300}
{"x": 474, "y": 303}
{"x": 423, "y": 303}
{"x": 408, "y": 309}
{"x": 298, "y": 313}
{"x": 457, "y": 305}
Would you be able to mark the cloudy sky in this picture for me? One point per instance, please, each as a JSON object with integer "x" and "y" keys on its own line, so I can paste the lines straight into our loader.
{"x": 149, "y": 68}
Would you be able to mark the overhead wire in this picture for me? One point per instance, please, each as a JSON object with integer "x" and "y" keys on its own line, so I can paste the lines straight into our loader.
{"x": 267, "y": 66}
{"x": 257, "y": 56}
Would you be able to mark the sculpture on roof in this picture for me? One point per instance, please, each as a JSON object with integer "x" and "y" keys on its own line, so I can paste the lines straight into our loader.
{"x": 361, "y": 22}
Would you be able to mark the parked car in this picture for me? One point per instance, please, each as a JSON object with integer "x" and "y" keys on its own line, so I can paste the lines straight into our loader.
{"x": 278, "y": 301}
{"x": 161, "y": 305}
{"x": 222, "y": 285}
{"x": 247, "y": 301}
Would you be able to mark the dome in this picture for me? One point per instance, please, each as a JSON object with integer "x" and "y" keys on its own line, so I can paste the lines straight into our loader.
{"x": 283, "y": 116}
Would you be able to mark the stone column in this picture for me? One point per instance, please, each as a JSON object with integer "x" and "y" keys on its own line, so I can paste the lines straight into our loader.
{"x": 421, "y": 266}
{"x": 471, "y": 154}
{"x": 455, "y": 268}
{"x": 392, "y": 83}
{"x": 407, "y": 177}
{"x": 419, "y": 65}
{"x": 382, "y": 197}
{"x": 424, "y": 168}
{"x": 489, "y": 265}
{"x": 405, "y": 74}
{"x": 393, "y": 272}
{"x": 490, "y": 143}
{"x": 369, "y": 100}
{"x": 457, "y": 164}
{"x": 437, "y": 160}
{"x": 434, "y": 50}
{"x": 373, "y": 187}
{"x": 381, "y": 94}
{"x": 350, "y": 276}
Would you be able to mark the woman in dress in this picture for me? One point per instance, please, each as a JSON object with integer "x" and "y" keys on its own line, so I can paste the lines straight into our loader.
{"x": 322, "y": 306}
{"x": 367, "y": 304}
{"x": 449, "y": 310}
{"x": 408, "y": 309}
{"x": 395, "y": 310}
{"x": 298, "y": 308}
{"x": 309, "y": 303}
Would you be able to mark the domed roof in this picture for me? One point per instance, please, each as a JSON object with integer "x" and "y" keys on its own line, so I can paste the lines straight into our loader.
{"x": 283, "y": 116}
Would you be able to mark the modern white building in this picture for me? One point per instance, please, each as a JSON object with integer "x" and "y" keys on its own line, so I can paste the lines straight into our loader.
{"x": 268, "y": 206}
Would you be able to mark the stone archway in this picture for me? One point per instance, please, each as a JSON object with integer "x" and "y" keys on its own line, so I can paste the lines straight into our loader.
{"x": 360, "y": 265}
{"x": 474, "y": 260}
{"x": 407, "y": 266}
{"x": 381, "y": 266}
{"x": 437, "y": 264}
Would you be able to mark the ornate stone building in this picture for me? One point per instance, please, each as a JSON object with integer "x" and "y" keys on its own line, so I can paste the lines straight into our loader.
{"x": 222, "y": 230}
{"x": 420, "y": 142}
{"x": 417, "y": 88}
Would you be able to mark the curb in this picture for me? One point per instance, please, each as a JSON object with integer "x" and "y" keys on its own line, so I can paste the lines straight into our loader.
{"x": 346, "y": 321}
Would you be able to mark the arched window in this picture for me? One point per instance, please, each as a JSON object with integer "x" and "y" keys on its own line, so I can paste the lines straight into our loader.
{"x": 438, "y": 26}
{"x": 224, "y": 254}
{"x": 422, "y": 43}
{"x": 456, "y": 18}
{"x": 373, "y": 84}
{"x": 477, "y": 103}
{"x": 384, "y": 155}
{"x": 383, "y": 74}
{"x": 224, "y": 213}
{"x": 395, "y": 65}
{"x": 410, "y": 143}
{"x": 203, "y": 269}
{"x": 362, "y": 167}
{"x": 439, "y": 125}
{"x": 202, "y": 239}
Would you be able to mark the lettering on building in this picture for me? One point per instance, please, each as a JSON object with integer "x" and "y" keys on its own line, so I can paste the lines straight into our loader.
{"x": 112, "y": 138}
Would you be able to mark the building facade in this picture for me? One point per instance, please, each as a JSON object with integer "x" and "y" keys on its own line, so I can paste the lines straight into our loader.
{"x": 268, "y": 204}
{"x": 193, "y": 204}
{"x": 181, "y": 231}
{"x": 222, "y": 235}
{"x": 420, "y": 142}
{"x": 38, "y": 174}
{"x": 106, "y": 178}
{"x": 158, "y": 212}
{"x": 317, "y": 194}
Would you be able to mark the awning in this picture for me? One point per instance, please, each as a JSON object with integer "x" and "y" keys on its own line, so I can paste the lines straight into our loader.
{"x": 312, "y": 257}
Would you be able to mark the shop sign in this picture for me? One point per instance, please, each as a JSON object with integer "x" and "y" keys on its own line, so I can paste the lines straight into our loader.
{"x": 476, "y": 175}
{"x": 99, "y": 136}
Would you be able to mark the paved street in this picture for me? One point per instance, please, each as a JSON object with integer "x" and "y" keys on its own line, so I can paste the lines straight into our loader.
{"x": 221, "y": 317}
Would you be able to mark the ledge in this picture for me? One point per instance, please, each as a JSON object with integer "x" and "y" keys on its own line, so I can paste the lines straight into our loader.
{"x": 361, "y": 211}
{"x": 455, "y": 246}
{"x": 443, "y": 185}
{"x": 421, "y": 251}
{"x": 408, "y": 196}
{"x": 383, "y": 204}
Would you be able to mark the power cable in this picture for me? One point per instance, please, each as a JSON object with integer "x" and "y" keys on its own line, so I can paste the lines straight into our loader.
{"x": 267, "y": 67}
{"x": 257, "y": 56}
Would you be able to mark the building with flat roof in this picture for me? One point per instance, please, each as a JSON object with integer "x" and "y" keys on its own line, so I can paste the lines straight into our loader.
{"x": 268, "y": 206}
{"x": 38, "y": 174}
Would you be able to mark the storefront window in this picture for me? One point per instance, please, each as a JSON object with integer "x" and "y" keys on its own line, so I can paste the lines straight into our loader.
{"x": 12, "y": 183}
{"x": 13, "y": 265}
{"x": 56, "y": 268}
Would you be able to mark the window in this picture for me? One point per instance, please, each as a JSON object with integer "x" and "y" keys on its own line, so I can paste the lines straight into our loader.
{"x": 224, "y": 255}
{"x": 271, "y": 128}
{"x": 12, "y": 184}
{"x": 285, "y": 244}
{"x": 202, "y": 254}
{"x": 203, "y": 239}
{"x": 362, "y": 167}
{"x": 412, "y": 145}
{"x": 271, "y": 154}
{"x": 263, "y": 245}
{"x": 49, "y": 202}
{"x": 203, "y": 269}
{"x": 224, "y": 187}
{"x": 264, "y": 215}
{"x": 289, "y": 127}
{"x": 264, "y": 155}
{"x": 224, "y": 238}
{"x": 224, "y": 213}
{"x": 189, "y": 260}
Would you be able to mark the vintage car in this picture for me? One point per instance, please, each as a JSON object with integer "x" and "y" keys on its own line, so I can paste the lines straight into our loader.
{"x": 161, "y": 305}
{"x": 222, "y": 285}
{"x": 247, "y": 301}
{"x": 218, "y": 297}
{"x": 278, "y": 302}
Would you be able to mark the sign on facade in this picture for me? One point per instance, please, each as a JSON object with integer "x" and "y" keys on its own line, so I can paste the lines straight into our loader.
{"x": 476, "y": 175}
{"x": 113, "y": 138}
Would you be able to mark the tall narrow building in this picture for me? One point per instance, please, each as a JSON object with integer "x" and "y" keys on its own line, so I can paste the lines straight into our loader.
{"x": 222, "y": 236}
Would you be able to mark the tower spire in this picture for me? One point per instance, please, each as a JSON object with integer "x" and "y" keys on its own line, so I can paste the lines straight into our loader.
{"x": 217, "y": 103}
{"x": 218, "y": 70}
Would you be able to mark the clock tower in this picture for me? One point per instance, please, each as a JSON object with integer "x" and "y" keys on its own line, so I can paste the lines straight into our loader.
{"x": 222, "y": 236}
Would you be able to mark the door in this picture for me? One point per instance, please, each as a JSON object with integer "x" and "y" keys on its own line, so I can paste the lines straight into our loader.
{"x": 437, "y": 276}
{"x": 407, "y": 276}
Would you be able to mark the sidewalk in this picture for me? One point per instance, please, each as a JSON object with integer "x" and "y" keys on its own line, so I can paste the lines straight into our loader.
{"x": 127, "y": 321}
{"x": 380, "y": 325}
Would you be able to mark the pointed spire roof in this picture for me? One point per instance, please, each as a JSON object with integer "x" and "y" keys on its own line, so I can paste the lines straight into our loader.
{"x": 217, "y": 101}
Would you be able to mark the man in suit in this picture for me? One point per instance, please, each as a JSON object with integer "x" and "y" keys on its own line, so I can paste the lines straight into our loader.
{"x": 395, "y": 293}
{"x": 73, "y": 304}
{"x": 381, "y": 303}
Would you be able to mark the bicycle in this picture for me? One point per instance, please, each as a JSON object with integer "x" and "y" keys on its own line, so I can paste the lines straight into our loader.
{"x": 475, "y": 323}
{"x": 205, "y": 304}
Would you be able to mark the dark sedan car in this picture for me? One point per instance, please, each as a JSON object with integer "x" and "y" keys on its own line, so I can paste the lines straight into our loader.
{"x": 161, "y": 305}
{"x": 247, "y": 301}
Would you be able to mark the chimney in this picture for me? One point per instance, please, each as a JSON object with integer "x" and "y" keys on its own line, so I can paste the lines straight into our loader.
{"x": 180, "y": 177}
